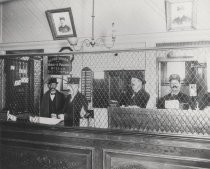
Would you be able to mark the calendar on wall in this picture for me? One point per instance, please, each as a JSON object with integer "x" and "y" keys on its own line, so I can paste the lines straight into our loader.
{"x": 87, "y": 83}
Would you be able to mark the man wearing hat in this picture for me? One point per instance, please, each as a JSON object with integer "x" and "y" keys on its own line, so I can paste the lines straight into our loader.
{"x": 74, "y": 103}
{"x": 53, "y": 101}
{"x": 175, "y": 96}
{"x": 139, "y": 97}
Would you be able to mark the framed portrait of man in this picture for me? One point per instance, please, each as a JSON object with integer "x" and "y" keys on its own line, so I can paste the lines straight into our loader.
{"x": 61, "y": 23}
{"x": 180, "y": 15}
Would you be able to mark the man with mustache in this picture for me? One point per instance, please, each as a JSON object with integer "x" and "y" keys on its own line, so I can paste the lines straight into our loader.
{"x": 184, "y": 101}
{"x": 52, "y": 101}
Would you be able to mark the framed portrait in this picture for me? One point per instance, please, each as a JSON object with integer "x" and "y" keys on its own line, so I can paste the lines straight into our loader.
{"x": 180, "y": 15}
{"x": 61, "y": 23}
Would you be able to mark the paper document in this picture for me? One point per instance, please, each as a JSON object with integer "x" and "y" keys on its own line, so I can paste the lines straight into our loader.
{"x": 172, "y": 104}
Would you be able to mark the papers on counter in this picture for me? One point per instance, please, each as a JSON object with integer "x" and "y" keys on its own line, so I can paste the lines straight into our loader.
{"x": 44, "y": 120}
{"x": 172, "y": 104}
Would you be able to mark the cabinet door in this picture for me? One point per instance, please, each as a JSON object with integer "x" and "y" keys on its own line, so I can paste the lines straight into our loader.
{"x": 24, "y": 80}
{"x": 17, "y": 85}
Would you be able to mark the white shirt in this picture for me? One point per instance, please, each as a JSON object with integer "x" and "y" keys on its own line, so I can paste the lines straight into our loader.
{"x": 52, "y": 96}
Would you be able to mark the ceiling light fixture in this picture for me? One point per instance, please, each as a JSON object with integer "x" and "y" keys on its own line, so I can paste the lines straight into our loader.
{"x": 73, "y": 41}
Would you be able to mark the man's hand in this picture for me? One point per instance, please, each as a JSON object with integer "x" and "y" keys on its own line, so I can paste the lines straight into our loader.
{"x": 54, "y": 116}
{"x": 61, "y": 116}
{"x": 86, "y": 115}
{"x": 89, "y": 114}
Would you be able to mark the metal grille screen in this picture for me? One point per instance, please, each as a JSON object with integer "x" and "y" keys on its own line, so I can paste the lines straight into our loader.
{"x": 105, "y": 82}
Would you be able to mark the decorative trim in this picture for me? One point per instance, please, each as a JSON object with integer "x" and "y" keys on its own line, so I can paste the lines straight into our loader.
{"x": 47, "y": 45}
{"x": 181, "y": 44}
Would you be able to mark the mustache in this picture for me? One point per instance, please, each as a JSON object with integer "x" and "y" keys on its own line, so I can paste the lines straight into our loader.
{"x": 174, "y": 87}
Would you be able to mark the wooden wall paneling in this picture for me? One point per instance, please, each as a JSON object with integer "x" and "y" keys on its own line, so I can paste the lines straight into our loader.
{"x": 39, "y": 146}
{"x": 130, "y": 160}
{"x": 33, "y": 156}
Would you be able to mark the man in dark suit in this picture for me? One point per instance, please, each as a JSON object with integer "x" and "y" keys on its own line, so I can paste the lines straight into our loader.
{"x": 138, "y": 96}
{"x": 74, "y": 103}
{"x": 53, "y": 101}
{"x": 183, "y": 101}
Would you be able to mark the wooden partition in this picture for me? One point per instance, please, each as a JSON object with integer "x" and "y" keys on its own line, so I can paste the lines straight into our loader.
{"x": 193, "y": 122}
{"x": 27, "y": 146}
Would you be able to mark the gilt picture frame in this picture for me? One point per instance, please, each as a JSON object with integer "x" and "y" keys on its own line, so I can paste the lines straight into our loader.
{"x": 61, "y": 23}
{"x": 180, "y": 15}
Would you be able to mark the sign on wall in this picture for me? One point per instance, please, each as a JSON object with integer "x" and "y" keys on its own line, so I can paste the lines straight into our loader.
{"x": 59, "y": 65}
{"x": 87, "y": 82}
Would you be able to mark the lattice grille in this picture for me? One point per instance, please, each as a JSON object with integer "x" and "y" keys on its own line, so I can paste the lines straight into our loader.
{"x": 24, "y": 82}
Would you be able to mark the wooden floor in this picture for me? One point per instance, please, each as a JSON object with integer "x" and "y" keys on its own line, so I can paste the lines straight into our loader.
{"x": 28, "y": 146}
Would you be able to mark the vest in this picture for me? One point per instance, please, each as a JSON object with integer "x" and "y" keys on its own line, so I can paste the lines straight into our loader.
{"x": 52, "y": 106}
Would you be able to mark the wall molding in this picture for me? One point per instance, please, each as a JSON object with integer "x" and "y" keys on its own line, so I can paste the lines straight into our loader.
{"x": 181, "y": 44}
{"x": 129, "y": 41}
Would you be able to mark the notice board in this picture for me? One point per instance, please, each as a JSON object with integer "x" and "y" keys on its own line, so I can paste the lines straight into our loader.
{"x": 59, "y": 65}
{"x": 87, "y": 83}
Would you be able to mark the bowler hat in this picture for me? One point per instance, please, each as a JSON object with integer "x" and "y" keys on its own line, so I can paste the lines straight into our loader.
{"x": 52, "y": 80}
{"x": 139, "y": 76}
{"x": 174, "y": 77}
{"x": 73, "y": 80}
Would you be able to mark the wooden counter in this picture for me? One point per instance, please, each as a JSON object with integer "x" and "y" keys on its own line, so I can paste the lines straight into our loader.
{"x": 33, "y": 146}
{"x": 160, "y": 120}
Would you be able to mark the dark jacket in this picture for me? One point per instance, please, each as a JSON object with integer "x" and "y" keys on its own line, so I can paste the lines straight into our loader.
{"x": 73, "y": 108}
{"x": 181, "y": 97}
{"x": 140, "y": 99}
{"x": 44, "y": 108}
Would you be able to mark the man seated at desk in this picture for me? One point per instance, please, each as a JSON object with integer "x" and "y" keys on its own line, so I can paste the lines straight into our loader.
{"x": 175, "y": 99}
{"x": 139, "y": 97}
